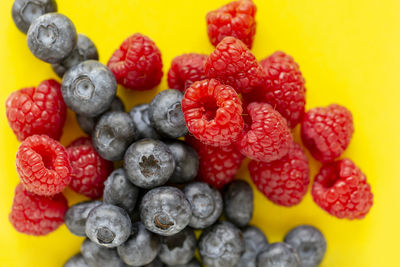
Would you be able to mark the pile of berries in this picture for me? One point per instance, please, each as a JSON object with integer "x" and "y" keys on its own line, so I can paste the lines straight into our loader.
{"x": 226, "y": 105}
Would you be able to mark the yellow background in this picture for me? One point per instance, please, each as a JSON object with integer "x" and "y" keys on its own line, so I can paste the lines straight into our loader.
{"x": 348, "y": 52}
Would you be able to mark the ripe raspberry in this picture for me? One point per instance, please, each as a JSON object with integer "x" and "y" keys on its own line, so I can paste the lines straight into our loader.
{"x": 327, "y": 131}
{"x": 284, "y": 181}
{"x": 89, "y": 170}
{"x": 235, "y": 19}
{"x": 37, "y": 215}
{"x": 217, "y": 165}
{"x": 42, "y": 165}
{"x": 213, "y": 112}
{"x": 137, "y": 63}
{"x": 266, "y": 136}
{"x": 38, "y": 110}
{"x": 284, "y": 88}
{"x": 233, "y": 64}
{"x": 341, "y": 189}
{"x": 185, "y": 70}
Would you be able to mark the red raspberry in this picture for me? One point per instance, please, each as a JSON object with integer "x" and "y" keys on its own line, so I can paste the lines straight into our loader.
{"x": 213, "y": 112}
{"x": 284, "y": 181}
{"x": 233, "y": 63}
{"x": 341, "y": 189}
{"x": 327, "y": 131}
{"x": 284, "y": 88}
{"x": 185, "y": 70}
{"x": 235, "y": 19}
{"x": 218, "y": 165}
{"x": 266, "y": 136}
{"x": 137, "y": 63}
{"x": 43, "y": 165}
{"x": 38, "y": 110}
{"x": 37, "y": 215}
{"x": 89, "y": 170}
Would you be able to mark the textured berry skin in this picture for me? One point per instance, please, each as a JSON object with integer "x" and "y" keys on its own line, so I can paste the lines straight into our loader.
{"x": 99, "y": 256}
{"x": 76, "y": 261}
{"x": 42, "y": 165}
{"x": 256, "y": 242}
{"x": 76, "y": 215}
{"x": 137, "y": 63}
{"x": 140, "y": 117}
{"x": 185, "y": 70}
{"x": 284, "y": 88}
{"x": 213, "y": 112}
{"x": 39, "y": 110}
{"x": 217, "y": 165}
{"x": 37, "y": 215}
{"x": 88, "y": 169}
{"x": 284, "y": 181}
{"x": 266, "y": 136}
{"x": 278, "y": 254}
{"x": 235, "y": 19}
{"x": 341, "y": 189}
{"x": 233, "y": 64}
{"x": 327, "y": 131}
{"x": 239, "y": 203}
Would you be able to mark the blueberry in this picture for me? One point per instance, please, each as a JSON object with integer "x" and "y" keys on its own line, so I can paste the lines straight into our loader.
{"x": 165, "y": 210}
{"x": 76, "y": 215}
{"x": 193, "y": 263}
{"x": 84, "y": 50}
{"x": 76, "y": 261}
{"x": 179, "y": 248}
{"x": 255, "y": 241}
{"x": 166, "y": 114}
{"x": 52, "y": 37}
{"x": 141, "y": 248}
{"x": 149, "y": 163}
{"x": 112, "y": 135}
{"x": 206, "y": 203}
{"x": 309, "y": 243}
{"x": 186, "y": 161}
{"x": 108, "y": 225}
{"x": 89, "y": 88}
{"x": 119, "y": 191}
{"x": 238, "y": 200}
{"x": 221, "y": 245}
{"x": 155, "y": 263}
{"x": 140, "y": 117}
{"x": 25, "y": 11}
{"x": 99, "y": 256}
{"x": 278, "y": 255}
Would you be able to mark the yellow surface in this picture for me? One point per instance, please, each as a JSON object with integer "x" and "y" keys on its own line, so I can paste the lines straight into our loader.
{"x": 348, "y": 52}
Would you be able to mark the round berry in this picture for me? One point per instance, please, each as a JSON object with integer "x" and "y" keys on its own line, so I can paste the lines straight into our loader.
{"x": 76, "y": 215}
{"x": 149, "y": 163}
{"x": 165, "y": 211}
{"x": 255, "y": 242}
{"x": 155, "y": 263}
{"x": 278, "y": 254}
{"x": 52, "y": 37}
{"x": 140, "y": 117}
{"x": 193, "y": 263}
{"x": 89, "y": 88}
{"x": 76, "y": 261}
{"x": 99, "y": 256}
{"x": 238, "y": 200}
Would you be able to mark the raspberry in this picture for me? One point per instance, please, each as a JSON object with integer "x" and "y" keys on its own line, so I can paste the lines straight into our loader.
{"x": 137, "y": 63}
{"x": 37, "y": 215}
{"x": 42, "y": 165}
{"x": 185, "y": 70}
{"x": 235, "y": 19}
{"x": 266, "y": 136}
{"x": 232, "y": 63}
{"x": 284, "y": 88}
{"x": 284, "y": 181}
{"x": 217, "y": 165}
{"x": 327, "y": 131}
{"x": 341, "y": 189}
{"x": 38, "y": 110}
{"x": 89, "y": 170}
{"x": 213, "y": 112}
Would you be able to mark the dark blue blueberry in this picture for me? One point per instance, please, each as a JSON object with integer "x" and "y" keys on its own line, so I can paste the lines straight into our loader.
{"x": 140, "y": 117}
{"x": 155, "y": 263}
{"x": 206, "y": 203}
{"x": 166, "y": 114}
{"x": 278, "y": 255}
{"x": 76, "y": 261}
{"x": 108, "y": 225}
{"x": 255, "y": 242}
{"x": 309, "y": 243}
{"x": 99, "y": 256}
{"x": 221, "y": 245}
{"x": 165, "y": 211}
{"x": 89, "y": 88}
{"x": 149, "y": 163}
{"x": 193, "y": 263}
{"x": 76, "y": 215}
{"x": 238, "y": 200}
{"x": 52, "y": 37}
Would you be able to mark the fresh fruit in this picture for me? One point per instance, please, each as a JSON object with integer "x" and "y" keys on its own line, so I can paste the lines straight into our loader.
{"x": 193, "y": 263}
{"x": 140, "y": 117}
{"x": 76, "y": 261}
{"x": 76, "y": 215}
{"x": 278, "y": 254}
{"x": 99, "y": 256}
{"x": 255, "y": 242}
{"x": 239, "y": 203}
